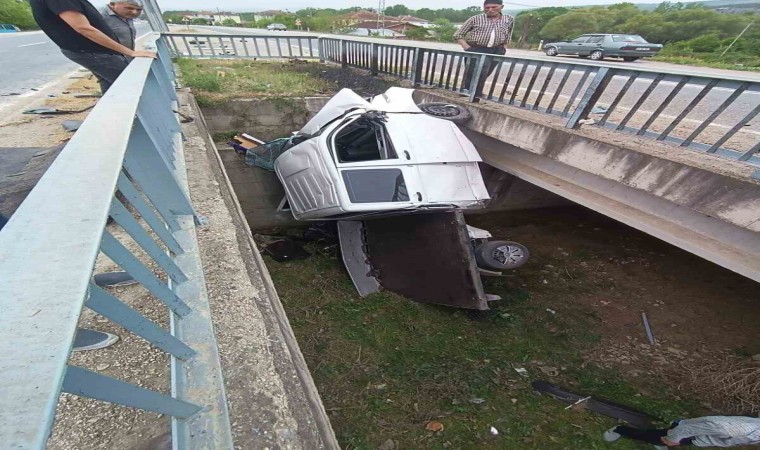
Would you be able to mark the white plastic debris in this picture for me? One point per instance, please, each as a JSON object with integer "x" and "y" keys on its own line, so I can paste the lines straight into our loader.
{"x": 494, "y": 431}
{"x": 521, "y": 371}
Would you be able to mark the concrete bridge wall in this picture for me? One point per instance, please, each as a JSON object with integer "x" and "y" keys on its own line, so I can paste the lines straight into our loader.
{"x": 704, "y": 204}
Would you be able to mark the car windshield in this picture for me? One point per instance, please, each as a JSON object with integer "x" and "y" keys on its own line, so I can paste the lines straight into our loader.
{"x": 628, "y": 38}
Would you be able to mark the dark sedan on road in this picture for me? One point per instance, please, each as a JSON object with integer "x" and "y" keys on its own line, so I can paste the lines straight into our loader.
{"x": 630, "y": 47}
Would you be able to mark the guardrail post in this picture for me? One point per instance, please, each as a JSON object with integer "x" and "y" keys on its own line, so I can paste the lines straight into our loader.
{"x": 476, "y": 75}
{"x": 590, "y": 97}
{"x": 343, "y": 53}
{"x": 417, "y": 62}
{"x": 374, "y": 58}
{"x": 321, "y": 49}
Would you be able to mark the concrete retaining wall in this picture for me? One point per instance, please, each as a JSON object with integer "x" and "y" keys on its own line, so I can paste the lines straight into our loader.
{"x": 258, "y": 191}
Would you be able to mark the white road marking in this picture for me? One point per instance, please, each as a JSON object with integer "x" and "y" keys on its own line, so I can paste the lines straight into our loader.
{"x": 36, "y": 43}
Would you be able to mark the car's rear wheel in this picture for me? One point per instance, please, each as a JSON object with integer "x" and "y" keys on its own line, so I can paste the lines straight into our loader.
{"x": 446, "y": 111}
{"x": 597, "y": 55}
{"x": 551, "y": 51}
{"x": 629, "y": 58}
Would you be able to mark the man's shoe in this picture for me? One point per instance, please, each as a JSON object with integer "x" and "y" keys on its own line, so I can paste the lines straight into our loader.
{"x": 87, "y": 339}
{"x": 610, "y": 435}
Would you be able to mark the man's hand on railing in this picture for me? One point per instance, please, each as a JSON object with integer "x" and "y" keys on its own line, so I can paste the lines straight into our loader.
{"x": 142, "y": 53}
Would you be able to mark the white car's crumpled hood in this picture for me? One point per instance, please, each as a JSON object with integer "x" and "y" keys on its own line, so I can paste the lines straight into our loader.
{"x": 394, "y": 100}
{"x": 337, "y": 106}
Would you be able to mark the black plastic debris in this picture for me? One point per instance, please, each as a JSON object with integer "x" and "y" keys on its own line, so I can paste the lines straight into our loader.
{"x": 285, "y": 250}
{"x": 71, "y": 125}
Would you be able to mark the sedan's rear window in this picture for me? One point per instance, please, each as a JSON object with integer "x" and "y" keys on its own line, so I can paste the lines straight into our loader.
{"x": 375, "y": 185}
{"x": 628, "y": 38}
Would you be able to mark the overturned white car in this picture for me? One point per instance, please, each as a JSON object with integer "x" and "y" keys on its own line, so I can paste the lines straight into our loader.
{"x": 358, "y": 158}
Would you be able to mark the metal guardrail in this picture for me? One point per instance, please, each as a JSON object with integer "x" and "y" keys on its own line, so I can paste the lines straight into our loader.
{"x": 131, "y": 143}
{"x": 708, "y": 114}
{"x": 196, "y": 45}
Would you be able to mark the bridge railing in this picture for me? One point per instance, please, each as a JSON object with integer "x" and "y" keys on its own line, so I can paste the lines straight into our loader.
{"x": 130, "y": 143}
{"x": 709, "y": 114}
{"x": 196, "y": 45}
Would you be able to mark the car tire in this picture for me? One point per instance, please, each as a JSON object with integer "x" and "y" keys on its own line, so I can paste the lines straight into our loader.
{"x": 446, "y": 111}
{"x": 597, "y": 55}
{"x": 501, "y": 255}
{"x": 629, "y": 58}
{"x": 551, "y": 51}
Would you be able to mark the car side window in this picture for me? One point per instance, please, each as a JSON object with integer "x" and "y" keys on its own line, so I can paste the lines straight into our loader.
{"x": 580, "y": 39}
{"x": 375, "y": 185}
{"x": 595, "y": 39}
{"x": 365, "y": 139}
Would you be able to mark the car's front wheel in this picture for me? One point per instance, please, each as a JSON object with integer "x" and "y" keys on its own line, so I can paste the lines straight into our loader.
{"x": 501, "y": 255}
{"x": 446, "y": 111}
{"x": 597, "y": 55}
{"x": 551, "y": 51}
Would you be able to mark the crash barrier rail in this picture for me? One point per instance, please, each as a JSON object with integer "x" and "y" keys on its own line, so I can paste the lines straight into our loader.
{"x": 708, "y": 114}
{"x": 215, "y": 46}
{"x": 131, "y": 143}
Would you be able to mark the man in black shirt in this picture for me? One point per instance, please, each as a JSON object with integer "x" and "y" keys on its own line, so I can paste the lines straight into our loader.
{"x": 84, "y": 37}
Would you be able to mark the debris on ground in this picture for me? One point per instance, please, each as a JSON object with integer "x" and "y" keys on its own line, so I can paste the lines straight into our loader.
{"x": 55, "y": 111}
{"x": 434, "y": 426}
{"x": 647, "y": 328}
{"x": 71, "y": 125}
{"x": 521, "y": 371}
{"x": 284, "y": 250}
{"x": 494, "y": 431}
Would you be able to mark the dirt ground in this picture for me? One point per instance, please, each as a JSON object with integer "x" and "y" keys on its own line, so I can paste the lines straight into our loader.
{"x": 41, "y": 130}
{"x": 704, "y": 318}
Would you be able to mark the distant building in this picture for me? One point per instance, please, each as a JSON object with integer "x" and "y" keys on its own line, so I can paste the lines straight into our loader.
{"x": 213, "y": 18}
{"x": 389, "y": 28}
{"x": 220, "y": 18}
{"x": 415, "y": 21}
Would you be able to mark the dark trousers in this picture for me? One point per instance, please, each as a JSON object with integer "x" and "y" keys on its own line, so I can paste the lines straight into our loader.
{"x": 653, "y": 436}
{"x": 106, "y": 67}
{"x": 488, "y": 69}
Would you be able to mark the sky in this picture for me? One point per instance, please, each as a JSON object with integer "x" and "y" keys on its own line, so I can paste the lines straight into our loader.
{"x": 293, "y": 5}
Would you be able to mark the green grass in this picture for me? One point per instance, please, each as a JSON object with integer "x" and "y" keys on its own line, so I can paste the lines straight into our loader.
{"x": 385, "y": 366}
{"x": 218, "y": 81}
{"x": 731, "y": 61}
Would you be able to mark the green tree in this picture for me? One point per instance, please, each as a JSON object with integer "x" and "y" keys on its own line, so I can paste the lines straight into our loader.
{"x": 444, "y": 30}
{"x": 570, "y": 25}
{"x": 229, "y": 23}
{"x": 199, "y": 21}
{"x": 17, "y": 13}
{"x": 528, "y": 24}
{"x": 397, "y": 10}
{"x": 417, "y": 34}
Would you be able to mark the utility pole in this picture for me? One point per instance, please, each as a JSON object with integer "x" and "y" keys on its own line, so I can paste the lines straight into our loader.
{"x": 737, "y": 38}
{"x": 381, "y": 17}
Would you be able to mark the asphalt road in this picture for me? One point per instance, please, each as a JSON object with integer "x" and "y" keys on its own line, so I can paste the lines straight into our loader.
{"x": 30, "y": 62}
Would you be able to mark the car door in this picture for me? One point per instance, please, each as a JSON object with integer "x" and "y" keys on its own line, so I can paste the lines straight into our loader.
{"x": 573, "y": 47}
{"x": 591, "y": 44}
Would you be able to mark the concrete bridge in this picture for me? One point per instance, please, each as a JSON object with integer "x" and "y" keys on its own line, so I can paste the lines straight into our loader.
{"x": 235, "y": 365}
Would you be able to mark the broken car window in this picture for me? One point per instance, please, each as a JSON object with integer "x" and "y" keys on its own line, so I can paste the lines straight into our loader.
{"x": 375, "y": 185}
{"x": 365, "y": 139}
